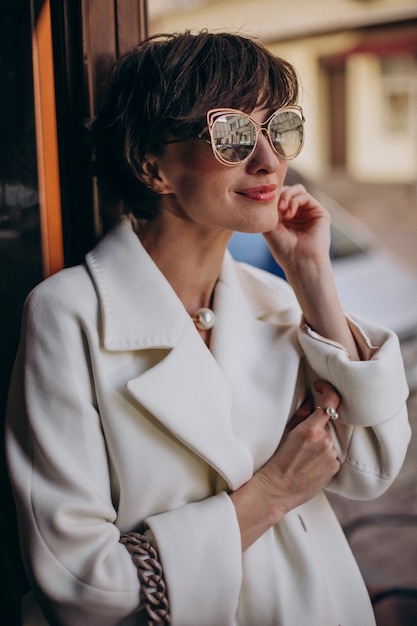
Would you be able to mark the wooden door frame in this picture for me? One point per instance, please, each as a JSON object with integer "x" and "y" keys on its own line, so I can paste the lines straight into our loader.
{"x": 46, "y": 138}
{"x": 74, "y": 42}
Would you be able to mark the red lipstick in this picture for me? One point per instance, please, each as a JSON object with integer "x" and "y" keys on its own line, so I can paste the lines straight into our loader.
{"x": 260, "y": 193}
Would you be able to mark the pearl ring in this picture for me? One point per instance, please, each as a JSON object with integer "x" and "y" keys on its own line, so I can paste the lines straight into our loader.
{"x": 331, "y": 412}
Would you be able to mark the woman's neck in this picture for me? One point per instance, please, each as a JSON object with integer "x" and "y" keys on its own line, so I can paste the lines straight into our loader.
{"x": 190, "y": 260}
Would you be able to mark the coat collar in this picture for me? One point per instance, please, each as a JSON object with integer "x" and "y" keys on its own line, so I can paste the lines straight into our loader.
{"x": 139, "y": 308}
{"x": 191, "y": 389}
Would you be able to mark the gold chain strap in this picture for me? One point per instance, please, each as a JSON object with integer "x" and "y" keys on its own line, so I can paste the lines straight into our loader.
{"x": 153, "y": 589}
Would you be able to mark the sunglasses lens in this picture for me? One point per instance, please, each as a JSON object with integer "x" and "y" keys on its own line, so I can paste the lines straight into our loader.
{"x": 286, "y": 133}
{"x": 234, "y": 137}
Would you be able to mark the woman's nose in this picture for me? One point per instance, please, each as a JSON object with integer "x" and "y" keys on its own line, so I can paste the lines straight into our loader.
{"x": 263, "y": 157}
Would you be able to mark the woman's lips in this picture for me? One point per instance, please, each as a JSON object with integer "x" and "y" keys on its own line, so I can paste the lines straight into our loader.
{"x": 261, "y": 193}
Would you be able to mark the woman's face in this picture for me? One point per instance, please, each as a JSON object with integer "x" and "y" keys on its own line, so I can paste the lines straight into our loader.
{"x": 203, "y": 192}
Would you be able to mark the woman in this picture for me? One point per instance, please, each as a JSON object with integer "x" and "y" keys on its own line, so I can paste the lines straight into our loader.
{"x": 176, "y": 411}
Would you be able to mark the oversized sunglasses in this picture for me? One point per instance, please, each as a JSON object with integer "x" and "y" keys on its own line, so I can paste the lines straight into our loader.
{"x": 234, "y": 134}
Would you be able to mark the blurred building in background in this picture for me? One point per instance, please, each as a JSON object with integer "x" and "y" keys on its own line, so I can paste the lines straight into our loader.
{"x": 357, "y": 60}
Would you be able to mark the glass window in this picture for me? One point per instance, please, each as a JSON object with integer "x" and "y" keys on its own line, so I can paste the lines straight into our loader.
{"x": 399, "y": 82}
{"x": 20, "y": 246}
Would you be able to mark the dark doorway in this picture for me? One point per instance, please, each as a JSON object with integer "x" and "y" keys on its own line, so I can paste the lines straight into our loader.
{"x": 20, "y": 247}
{"x": 336, "y": 81}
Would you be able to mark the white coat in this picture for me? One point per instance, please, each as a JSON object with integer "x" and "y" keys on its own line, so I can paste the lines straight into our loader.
{"x": 121, "y": 419}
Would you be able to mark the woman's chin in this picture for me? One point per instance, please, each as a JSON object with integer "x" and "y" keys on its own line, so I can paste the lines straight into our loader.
{"x": 265, "y": 225}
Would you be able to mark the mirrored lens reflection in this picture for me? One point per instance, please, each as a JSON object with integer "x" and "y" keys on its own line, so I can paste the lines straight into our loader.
{"x": 286, "y": 133}
{"x": 235, "y": 135}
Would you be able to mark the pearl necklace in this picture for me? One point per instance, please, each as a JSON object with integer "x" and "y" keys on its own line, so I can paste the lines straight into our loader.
{"x": 204, "y": 319}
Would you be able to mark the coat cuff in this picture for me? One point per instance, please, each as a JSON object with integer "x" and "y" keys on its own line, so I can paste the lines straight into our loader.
{"x": 363, "y": 342}
{"x": 365, "y": 386}
{"x": 200, "y": 549}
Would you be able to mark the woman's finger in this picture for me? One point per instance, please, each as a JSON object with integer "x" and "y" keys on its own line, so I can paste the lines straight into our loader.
{"x": 328, "y": 402}
{"x": 301, "y": 413}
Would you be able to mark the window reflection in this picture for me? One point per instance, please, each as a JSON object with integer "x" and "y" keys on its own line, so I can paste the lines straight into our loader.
{"x": 399, "y": 85}
{"x": 20, "y": 247}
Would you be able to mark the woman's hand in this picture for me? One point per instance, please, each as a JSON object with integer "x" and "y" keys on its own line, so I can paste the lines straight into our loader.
{"x": 303, "y": 464}
{"x": 300, "y": 243}
{"x": 303, "y": 230}
{"x": 306, "y": 459}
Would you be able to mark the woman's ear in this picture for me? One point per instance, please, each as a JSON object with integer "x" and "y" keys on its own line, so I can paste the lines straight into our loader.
{"x": 153, "y": 177}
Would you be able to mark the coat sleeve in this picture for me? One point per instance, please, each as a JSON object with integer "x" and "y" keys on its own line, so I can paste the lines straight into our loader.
{"x": 60, "y": 471}
{"x": 372, "y": 433}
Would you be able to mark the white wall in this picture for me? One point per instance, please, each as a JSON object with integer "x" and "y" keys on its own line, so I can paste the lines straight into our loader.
{"x": 375, "y": 152}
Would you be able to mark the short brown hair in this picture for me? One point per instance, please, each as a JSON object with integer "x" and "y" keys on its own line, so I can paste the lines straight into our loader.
{"x": 166, "y": 85}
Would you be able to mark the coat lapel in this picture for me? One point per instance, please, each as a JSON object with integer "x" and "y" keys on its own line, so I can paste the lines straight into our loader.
{"x": 190, "y": 396}
{"x": 256, "y": 324}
